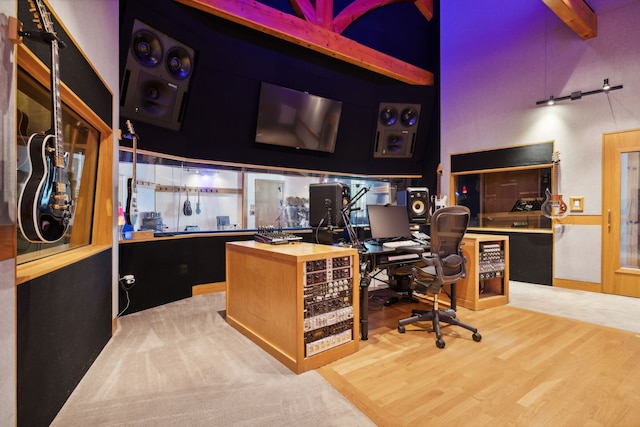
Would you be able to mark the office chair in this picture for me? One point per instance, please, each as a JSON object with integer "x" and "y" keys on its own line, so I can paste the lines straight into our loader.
{"x": 445, "y": 264}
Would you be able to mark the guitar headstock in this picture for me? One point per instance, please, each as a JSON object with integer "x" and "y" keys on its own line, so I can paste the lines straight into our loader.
{"x": 41, "y": 16}
{"x": 132, "y": 132}
{"x": 439, "y": 170}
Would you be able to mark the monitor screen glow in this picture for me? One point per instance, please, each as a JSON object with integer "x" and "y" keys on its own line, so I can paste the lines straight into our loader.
{"x": 388, "y": 221}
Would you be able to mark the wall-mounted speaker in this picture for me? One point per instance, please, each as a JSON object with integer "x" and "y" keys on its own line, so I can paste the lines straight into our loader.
{"x": 396, "y": 130}
{"x": 418, "y": 204}
{"x": 326, "y": 202}
{"x": 156, "y": 78}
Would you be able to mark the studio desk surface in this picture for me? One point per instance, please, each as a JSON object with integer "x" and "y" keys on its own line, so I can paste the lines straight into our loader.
{"x": 297, "y": 301}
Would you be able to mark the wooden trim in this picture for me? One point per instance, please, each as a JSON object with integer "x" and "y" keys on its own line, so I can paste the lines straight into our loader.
{"x": 290, "y": 28}
{"x": 8, "y": 241}
{"x": 578, "y": 285}
{"x": 31, "y": 270}
{"x": 252, "y": 167}
{"x": 580, "y": 220}
{"x": 209, "y": 288}
{"x": 511, "y": 230}
{"x": 508, "y": 169}
{"x": 577, "y": 15}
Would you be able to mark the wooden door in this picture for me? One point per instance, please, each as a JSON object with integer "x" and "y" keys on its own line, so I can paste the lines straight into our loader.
{"x": 269, "y": 203}
{"x": 621, "y": 216}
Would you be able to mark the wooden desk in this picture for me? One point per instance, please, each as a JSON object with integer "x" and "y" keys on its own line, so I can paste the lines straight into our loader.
{"x": 277, "y": 296}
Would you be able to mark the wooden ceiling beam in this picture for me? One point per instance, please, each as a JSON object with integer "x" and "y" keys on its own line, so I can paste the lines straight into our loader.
{"x": 577, "y": 15}
{"x": 287, "y": 27}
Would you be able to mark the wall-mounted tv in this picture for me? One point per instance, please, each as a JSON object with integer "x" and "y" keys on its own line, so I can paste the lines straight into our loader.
{"x": 292, "y": 118}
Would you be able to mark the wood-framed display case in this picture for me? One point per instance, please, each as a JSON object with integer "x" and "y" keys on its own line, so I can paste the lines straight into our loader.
{"x": 88, "y": 142}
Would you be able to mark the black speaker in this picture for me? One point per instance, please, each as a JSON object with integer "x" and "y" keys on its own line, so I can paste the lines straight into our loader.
{"x": 156, "y": 78}
{"x": 396, "y": 130}
{"x": 328, "y": 200}
{"x": 418, "y": 204}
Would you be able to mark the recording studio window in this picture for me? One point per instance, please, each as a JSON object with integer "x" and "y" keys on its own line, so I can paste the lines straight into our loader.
{"x": 79, "y": 149}
{"x": 175, "y": 196}
{"x": 505, "y": 198}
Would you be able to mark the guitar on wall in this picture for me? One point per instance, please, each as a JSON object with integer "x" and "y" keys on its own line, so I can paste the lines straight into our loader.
{"x": 438, "y": 200}
{"x": 553, "y": 205}
{"x": 131, "y": 208}
{"x": 45, "y": 208}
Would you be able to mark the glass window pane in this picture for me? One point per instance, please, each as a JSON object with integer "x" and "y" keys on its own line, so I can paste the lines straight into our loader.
{"x": 504, "y": 199}
{"x": 629, "y": 213}
{"x": 80, "y": 141}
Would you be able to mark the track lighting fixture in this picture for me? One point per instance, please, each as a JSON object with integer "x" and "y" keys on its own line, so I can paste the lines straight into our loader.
{"x": 606, "y": 87}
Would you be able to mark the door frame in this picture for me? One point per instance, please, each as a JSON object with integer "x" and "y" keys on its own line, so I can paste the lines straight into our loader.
{"x": 615, "y": 279}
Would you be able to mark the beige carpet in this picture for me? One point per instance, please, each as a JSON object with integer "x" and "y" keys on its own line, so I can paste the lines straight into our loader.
{"x": 181, "y": 365}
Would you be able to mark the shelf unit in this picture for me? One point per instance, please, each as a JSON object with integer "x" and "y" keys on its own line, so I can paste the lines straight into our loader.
{"x": 487, "y": 281}
{"x": 297, "y": 301}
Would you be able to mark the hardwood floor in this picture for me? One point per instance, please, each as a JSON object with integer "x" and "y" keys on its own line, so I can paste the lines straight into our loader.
{"x": 530, "y": 369}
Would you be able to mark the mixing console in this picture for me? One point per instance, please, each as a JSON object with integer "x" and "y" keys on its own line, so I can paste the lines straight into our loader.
{"x": 274, "y": 237}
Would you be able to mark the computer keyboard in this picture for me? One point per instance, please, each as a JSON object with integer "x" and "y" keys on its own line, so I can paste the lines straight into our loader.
{"x": 400, "y": 244}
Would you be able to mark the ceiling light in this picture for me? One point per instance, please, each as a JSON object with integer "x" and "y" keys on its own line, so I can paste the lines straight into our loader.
{"x": 606, "y": 87}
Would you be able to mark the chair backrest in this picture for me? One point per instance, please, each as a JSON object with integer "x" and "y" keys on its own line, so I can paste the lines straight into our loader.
{"x": 448, "y": 226}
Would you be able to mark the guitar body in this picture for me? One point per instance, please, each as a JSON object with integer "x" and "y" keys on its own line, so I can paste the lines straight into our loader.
{"x": 186, "y": 209}
{"x": 439, "y": 202}
{"x": 44, "y": 205}
{"x": 553, "y": 206}
{"x": 131, "y": 211}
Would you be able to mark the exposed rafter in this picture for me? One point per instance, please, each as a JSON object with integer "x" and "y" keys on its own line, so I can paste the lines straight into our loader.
{"x": 315, "y": 30}
{"x": 577, "y": 15}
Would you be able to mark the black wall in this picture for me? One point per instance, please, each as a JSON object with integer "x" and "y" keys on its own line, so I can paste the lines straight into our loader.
{"x": 64, "y": 321}
{"x": 232, "y": 60}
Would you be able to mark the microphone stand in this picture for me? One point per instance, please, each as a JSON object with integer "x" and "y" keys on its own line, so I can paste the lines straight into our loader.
{"x": 353, "y": 236}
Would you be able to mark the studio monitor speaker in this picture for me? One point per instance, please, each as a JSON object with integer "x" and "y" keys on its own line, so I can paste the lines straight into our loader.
{"x": 328, "y": 200}
{"x": 396, "y": 130}
{"x": 418, "y": 204}
{"x": 156, "y": 78}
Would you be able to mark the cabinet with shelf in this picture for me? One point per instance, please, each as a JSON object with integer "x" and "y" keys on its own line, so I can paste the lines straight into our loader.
{"x": 487, "y": 281}
{"x": 298, "y": 302}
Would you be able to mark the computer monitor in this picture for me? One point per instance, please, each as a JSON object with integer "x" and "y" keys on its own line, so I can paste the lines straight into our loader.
{"x": 388, "y": 221}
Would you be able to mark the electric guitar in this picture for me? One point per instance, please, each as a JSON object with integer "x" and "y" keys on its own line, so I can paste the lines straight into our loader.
{"x": 554, "y": 206}
{"x": 131, "y": 208}
{"x": 198, "y": 210}
{"x": 186, "y": 208}
{"x": 45, "y": 205}
{"x": 438, "y": 200}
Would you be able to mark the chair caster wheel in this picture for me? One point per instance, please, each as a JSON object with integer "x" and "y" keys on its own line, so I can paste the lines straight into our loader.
{"x": 440, "y": 343}
{"x": 477, "y": 337}
{"x": 401, "y": 329}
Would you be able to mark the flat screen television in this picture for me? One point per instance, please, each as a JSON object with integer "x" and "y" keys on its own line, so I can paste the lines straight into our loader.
{"x": 291, "y": 118}
{"x": 388, "y": 222}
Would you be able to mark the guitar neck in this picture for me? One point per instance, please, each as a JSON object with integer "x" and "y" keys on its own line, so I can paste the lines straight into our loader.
{"x": 56, "y": 106}
{"x": 134, "y": 160}
{"x": 556, "y": 175}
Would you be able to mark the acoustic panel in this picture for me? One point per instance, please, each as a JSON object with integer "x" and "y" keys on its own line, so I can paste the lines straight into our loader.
{"x": 156, "y": 78}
